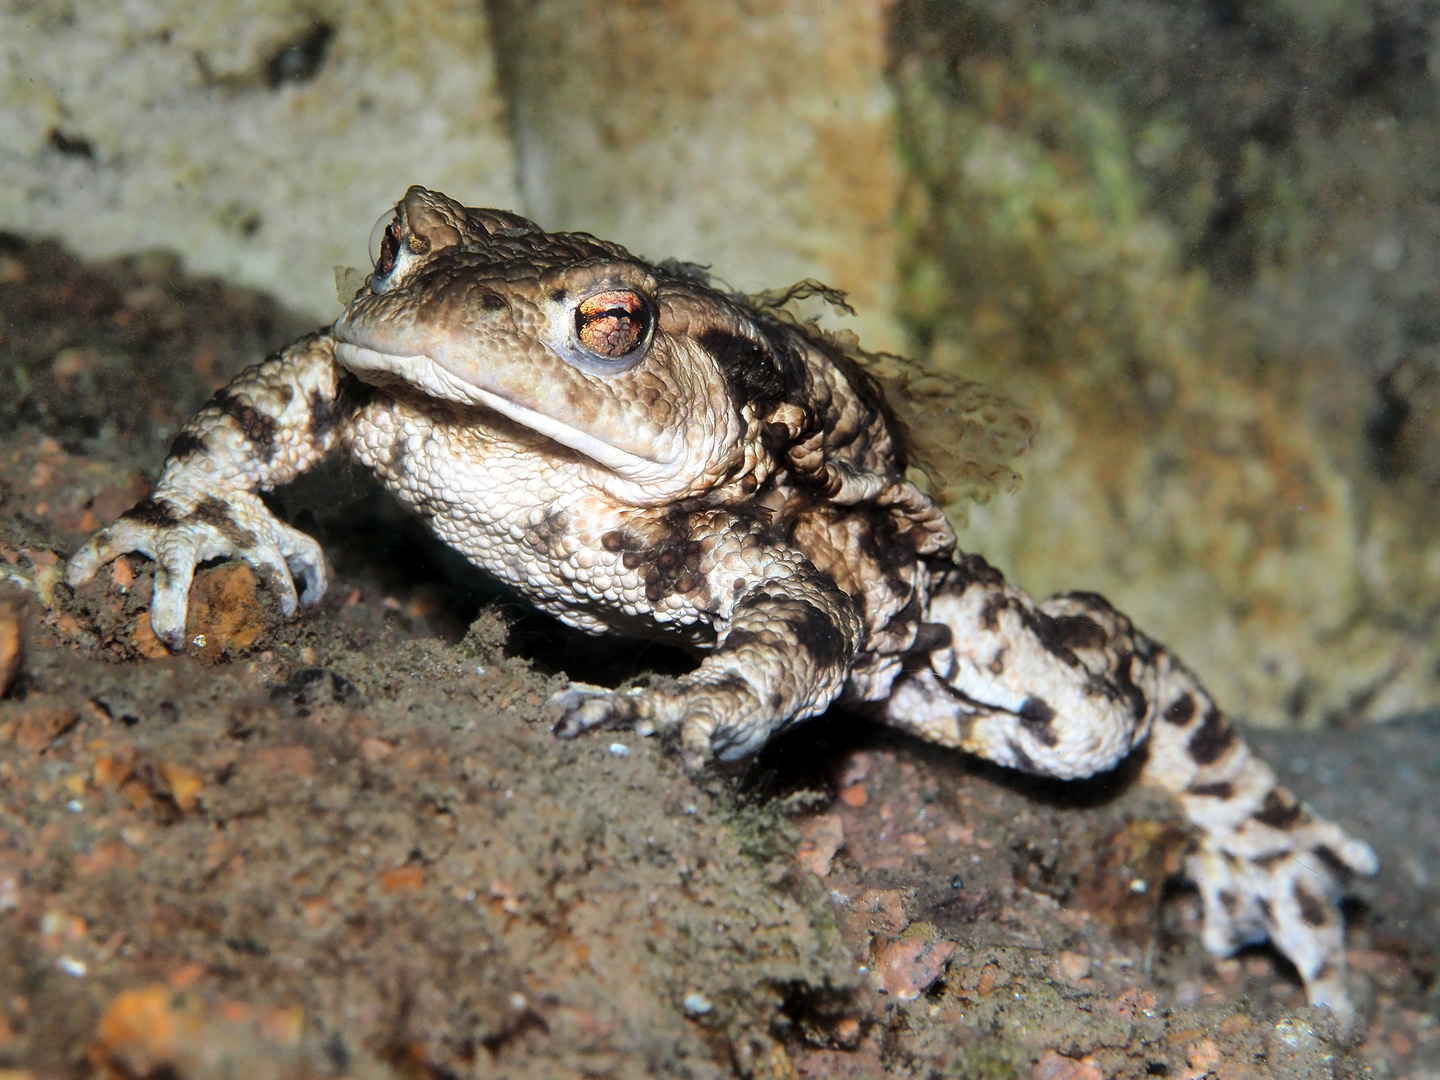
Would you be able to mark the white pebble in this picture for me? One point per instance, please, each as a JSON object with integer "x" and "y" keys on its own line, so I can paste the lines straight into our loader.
{"x": 619, "y": 749}
{"x": 697, "y": 1004}
{"x": 70, "y": 966}
{"x": 75, "y": 806}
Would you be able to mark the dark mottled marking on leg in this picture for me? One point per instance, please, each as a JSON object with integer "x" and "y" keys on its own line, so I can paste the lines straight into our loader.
{"x": 216, "y": 514}
{"x": 933, "y": 635}
{"x": 397, "y": 453}
{"x": 1039, "y": 624}
{"x": 323, "y": 416}
{"x": 1125, "y": 683}
{"x": 997, "y": 662}
{"x": 1268, "y": 859}
{"x": 1221, "y": 789}
{"x": 150, "y": 512}
{"x": 1180, "y": 711}
{"x": 990, "y": 612}
{"x": 1312, "y": 909}
{"x": 1037, "y": 715}
{"x": 258, "y": 428}
{"x": 187, "y": 444}
{"x": 1046, "y": 632}
{"x": 740, "y": 637}
{"x": 1324, "y": 971}
{"x": 1023, "y": 761}
{"x": 975, "y": 568}
{"x": 1279, "y": 811}
{"x": 811, "y": 628}
{"x": 729, "y": 683}
{"x": 1080, "y": 631}
{"x": 1229, "y": 901}
{"x": 1336, "y": 865}
{"x": 1211, "y": 739}
{"x": 612, "y": 541}
{"x": 1266, "y": 909}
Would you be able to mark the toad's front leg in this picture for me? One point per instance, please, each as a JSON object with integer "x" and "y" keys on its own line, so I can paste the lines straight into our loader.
{"x": 782, "y": 656}
{"x": 1067, "y": 687}
{"x": 271, "y": 423}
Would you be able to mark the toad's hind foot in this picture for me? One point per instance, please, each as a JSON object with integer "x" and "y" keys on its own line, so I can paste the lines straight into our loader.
{"x": 1068, "y": 687}
{"x": 1267, "y": 866}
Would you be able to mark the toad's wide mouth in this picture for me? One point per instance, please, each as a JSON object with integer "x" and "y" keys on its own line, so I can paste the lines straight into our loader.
{"x": 434, "y": 379}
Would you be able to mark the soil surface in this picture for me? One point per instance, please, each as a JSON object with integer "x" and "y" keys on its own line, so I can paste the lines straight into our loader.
{"x": 347, "y": 845}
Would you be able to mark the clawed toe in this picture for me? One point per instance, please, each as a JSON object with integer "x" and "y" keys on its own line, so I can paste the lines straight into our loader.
{"x": 583, "y": 707}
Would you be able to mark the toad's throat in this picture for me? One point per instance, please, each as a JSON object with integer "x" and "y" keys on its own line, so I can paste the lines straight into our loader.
{"x": 431, "y": 377}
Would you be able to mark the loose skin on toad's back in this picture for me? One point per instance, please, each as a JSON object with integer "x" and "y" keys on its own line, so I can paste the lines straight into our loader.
{"x": 639, "y": 453}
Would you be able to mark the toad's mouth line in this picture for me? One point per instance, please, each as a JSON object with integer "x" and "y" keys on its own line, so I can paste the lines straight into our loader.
{"x": 436, "y": 380}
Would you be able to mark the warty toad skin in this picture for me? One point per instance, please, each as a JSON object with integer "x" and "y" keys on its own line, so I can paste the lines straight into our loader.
{"x": 639, "y": 453}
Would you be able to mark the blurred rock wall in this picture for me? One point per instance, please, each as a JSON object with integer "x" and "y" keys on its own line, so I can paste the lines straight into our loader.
{"x": 1196, "y": 241}
{"x": 755, "y": 138}
{"x": 259, "y": 140}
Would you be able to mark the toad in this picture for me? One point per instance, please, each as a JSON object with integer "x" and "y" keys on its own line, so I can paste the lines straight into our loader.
{"x": 638, "y": 452}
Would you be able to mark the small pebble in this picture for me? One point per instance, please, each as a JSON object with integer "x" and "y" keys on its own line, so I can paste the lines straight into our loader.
{"x": 697, "y": 1004}
{"x": 75, "y": 806}
{"x": 957, "y": 882}
{"x": 619, "y": 749}
{"x": 1294, "y": 1032}
{"x": 1139, "y": 885}
{"x": 70, "y": 966}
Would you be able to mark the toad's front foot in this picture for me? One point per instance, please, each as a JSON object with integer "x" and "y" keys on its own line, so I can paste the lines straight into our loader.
{"x": 719, "y": 716}
{"x": 179, "y": 534}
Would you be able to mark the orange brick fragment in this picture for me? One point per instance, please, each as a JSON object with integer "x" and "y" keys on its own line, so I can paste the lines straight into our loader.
{"x": 185, "y": 785}
{"x": 9, "y": 645}
{"x": 402, "y": 879}
{"x": 140, "y": 1027}
{"x": 144, "y": 641}
{"x": 225, "y": 614}
{"x": 40, "y": 721}
{"x": 1053, "y": 1066}
{"x": 111, "y": 770}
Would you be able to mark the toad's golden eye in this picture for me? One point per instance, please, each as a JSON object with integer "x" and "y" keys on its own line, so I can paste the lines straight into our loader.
{"x": 613, "y": 323}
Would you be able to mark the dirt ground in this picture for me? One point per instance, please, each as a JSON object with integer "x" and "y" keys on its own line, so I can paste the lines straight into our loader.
{"x": 347, "y": 845}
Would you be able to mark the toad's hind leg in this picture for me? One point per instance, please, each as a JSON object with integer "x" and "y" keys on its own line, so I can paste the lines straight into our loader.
{"x": 1067, "y": 687}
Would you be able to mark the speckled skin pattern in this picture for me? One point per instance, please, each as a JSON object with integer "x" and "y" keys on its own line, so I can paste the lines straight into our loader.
{"x": 639, "y": 453}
